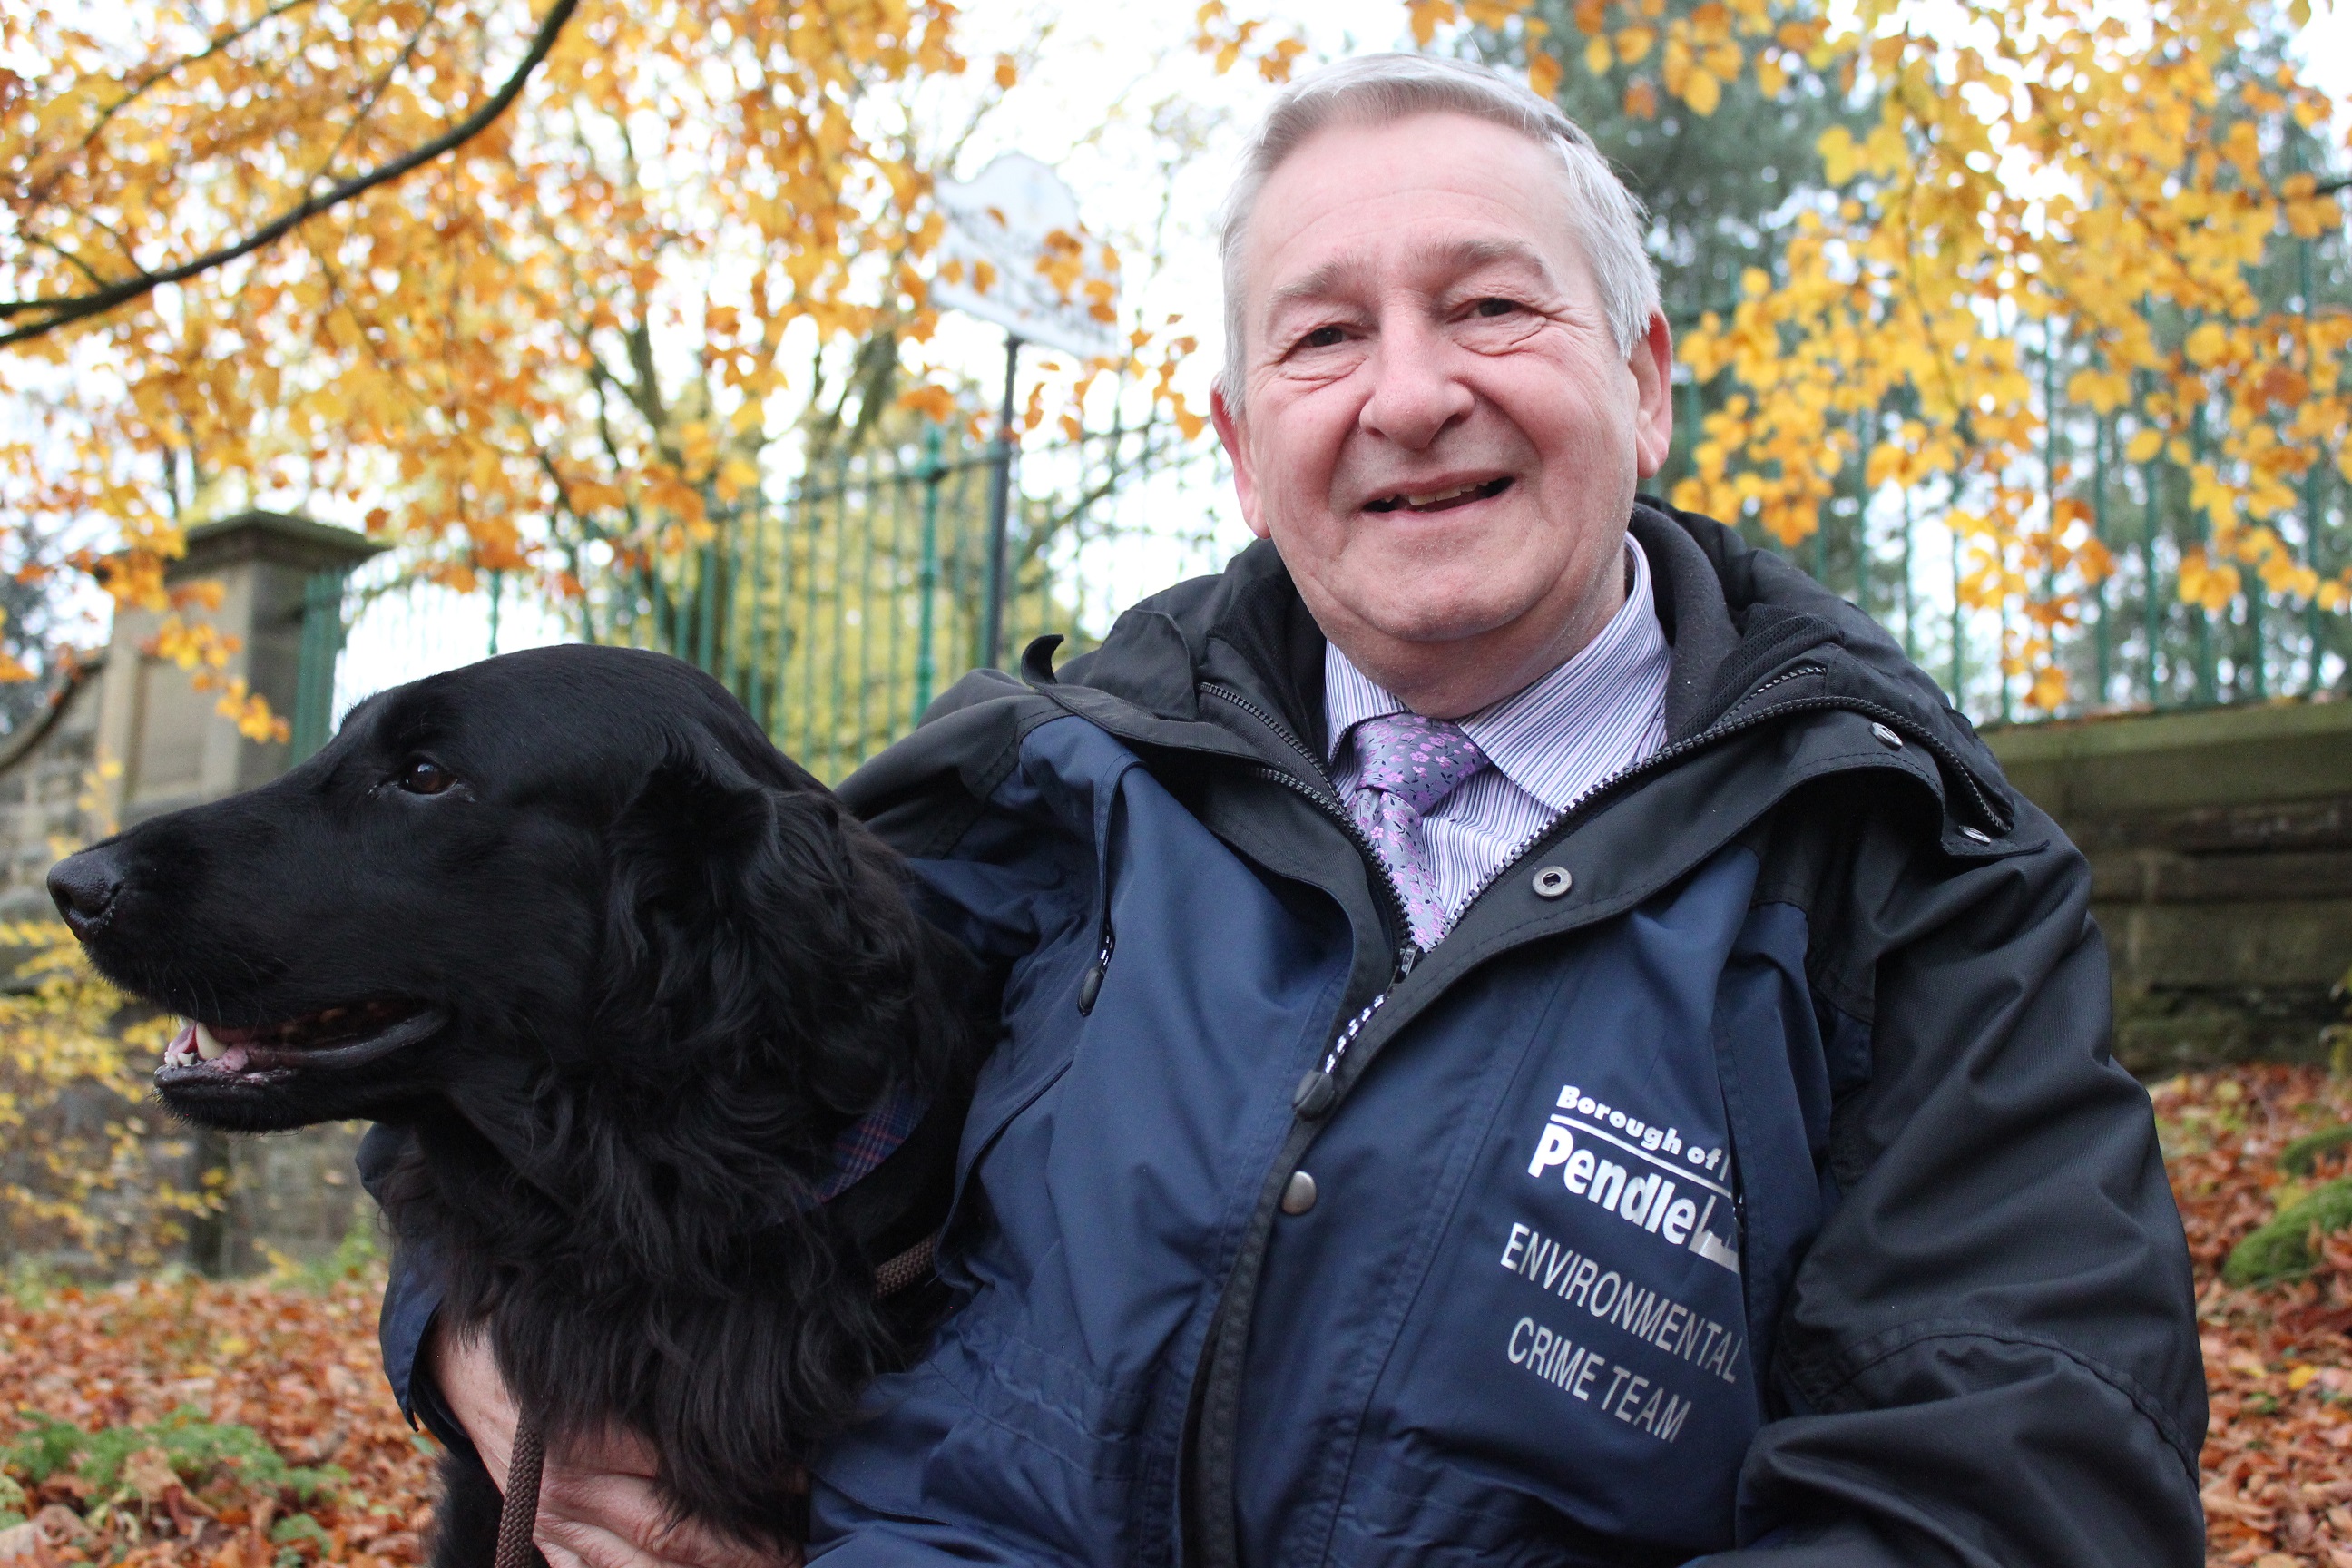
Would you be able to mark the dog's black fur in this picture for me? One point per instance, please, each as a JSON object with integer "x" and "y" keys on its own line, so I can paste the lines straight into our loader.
{"x": 637, "y": 970}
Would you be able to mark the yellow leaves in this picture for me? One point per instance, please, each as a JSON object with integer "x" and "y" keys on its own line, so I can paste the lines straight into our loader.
{"x": 735, "y": 476}
{"x": 1544, "y": 73}
{"x": 1839, "y": 156}
{"x": 1702, "y": 91}
{"x": 1771, "y": 76}
{"x": 932, "y": 402}
{"x": 2206, "y": 345}
{"x": 2206, "y": 583}
{"x": 1641, "y": 99}
{"x": 1634, "y": 44}
{"x": 1598, "y": 56}
{"x": 2312, "y": 217}
{"x": 2049, "y": 689}
{"x": 1008, "y": 71}
{"x": 1425, "y": 16}
{"x": 2143, "y": 446}
{"x": 2101, "y": 390}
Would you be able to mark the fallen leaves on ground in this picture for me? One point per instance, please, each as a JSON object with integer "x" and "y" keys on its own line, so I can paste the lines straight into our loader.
{"x": 2278, "y": 1457}
{"x": 296, "y": 1364}
{"x": 182, "y": 1360}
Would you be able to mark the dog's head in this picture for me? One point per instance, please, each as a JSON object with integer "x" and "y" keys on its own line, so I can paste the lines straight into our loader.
{"x": 574, "y": 877}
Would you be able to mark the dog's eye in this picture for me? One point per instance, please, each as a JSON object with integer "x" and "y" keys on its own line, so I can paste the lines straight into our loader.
{"x": 424, "y": 776}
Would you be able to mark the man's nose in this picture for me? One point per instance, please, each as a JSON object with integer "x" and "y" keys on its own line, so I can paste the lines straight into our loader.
{"x": 84, "y": 888}
{"x": 1415, "y": 393}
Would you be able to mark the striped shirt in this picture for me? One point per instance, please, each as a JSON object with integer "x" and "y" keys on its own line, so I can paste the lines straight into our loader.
{"x": 1601, "y": 712}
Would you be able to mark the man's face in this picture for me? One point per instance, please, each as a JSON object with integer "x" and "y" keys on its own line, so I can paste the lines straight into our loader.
{"x": 1439, "y": 433}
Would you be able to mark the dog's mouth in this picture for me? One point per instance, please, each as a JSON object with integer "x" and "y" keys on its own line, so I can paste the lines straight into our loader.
{"x": 333, "y": 1037}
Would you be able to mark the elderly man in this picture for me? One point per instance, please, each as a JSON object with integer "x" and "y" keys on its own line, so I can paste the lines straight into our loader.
{"x": 1531, "y": 1034}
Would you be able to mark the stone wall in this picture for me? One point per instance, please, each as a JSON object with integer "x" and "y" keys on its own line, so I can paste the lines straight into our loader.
{"x": 2221, "y": 851}
{"x": 128, "y": 736}
{"x": 48, "y": 786}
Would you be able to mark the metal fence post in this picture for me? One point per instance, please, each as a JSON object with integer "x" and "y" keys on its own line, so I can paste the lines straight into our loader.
{"x": 2104, "y": 647}
{"x": 314, "y": 677}
{"x": 927, "y": 666}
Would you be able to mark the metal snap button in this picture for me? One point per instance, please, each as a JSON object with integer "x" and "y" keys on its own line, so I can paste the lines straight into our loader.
{"x": 1553, "y": 881}
{"x": 1977, "y": 834}
{"x": 1298, "y": 1192}
{"x": 1887, "y": 736}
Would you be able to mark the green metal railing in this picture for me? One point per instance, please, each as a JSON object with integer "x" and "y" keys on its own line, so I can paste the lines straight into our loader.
{"x": 838, "y": 617}
{"x": 836, "y": 614}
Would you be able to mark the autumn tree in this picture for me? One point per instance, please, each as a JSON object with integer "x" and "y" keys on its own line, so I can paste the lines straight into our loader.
{"x": 610, "y": 329}
{"x": 2071, "y": 263}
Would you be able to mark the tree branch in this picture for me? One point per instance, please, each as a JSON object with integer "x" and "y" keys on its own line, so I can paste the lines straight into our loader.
{"x": 65, "y": 309}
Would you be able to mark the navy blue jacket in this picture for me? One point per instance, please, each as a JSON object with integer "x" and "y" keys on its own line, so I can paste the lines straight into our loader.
{"x": 1745, "y": 1170}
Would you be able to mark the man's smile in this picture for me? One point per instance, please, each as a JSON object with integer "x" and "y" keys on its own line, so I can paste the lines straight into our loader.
{"x": 1442, "y": 498}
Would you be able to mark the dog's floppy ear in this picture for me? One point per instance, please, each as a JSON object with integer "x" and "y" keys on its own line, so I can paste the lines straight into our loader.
{"x": 755, "y": 929}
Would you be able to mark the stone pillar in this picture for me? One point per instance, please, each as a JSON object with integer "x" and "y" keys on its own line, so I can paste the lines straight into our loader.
{"x": 173, "y": 748}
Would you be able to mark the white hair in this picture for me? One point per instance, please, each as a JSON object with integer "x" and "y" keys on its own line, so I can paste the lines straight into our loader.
{"x": 1378, "y": 90}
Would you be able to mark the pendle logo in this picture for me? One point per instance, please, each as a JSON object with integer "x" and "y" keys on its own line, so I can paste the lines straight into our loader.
{"x": 1641, "y": 1173}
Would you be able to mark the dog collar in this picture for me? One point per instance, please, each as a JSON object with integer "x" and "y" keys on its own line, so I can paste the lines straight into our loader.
{"x": 868, "y": 1140}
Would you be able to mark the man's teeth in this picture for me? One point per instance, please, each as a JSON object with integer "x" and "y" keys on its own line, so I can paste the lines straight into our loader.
{"x": 207, "y": 1046}
{"x": 1434, "y": 497}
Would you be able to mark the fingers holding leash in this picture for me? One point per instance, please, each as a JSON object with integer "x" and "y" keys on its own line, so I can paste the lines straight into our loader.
{"x": 597, "y": 1505}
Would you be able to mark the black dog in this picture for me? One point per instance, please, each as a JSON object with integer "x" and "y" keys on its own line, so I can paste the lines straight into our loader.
{"x": 644, "y": 997}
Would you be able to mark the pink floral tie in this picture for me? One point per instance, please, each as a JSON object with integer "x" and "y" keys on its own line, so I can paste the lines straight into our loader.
{"x": 1410, "y": 764}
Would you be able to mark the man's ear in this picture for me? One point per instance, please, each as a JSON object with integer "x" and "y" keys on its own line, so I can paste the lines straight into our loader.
{"x": 1235, "y": 436}
{"x": 748, "y": 923}
{"x": 1653, "y": 365}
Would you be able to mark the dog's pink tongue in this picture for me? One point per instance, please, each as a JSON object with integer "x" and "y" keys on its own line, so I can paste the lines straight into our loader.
{"x": 231, "y": 1059}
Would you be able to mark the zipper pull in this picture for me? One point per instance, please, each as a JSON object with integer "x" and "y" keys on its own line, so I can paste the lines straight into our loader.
{"x": 1311, "y": 1101}
{"x": 1407, "y": 956}
{"x": 1091, "y": 986}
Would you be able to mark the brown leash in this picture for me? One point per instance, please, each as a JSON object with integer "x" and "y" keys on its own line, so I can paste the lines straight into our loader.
{"x": 520, "y": 1511}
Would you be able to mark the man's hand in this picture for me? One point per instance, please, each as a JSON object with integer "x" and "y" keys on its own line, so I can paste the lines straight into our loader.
{"x": 597, "y": 1506}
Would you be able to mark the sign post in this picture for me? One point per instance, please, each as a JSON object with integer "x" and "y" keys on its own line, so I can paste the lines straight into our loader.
{"x": 1000, "y": 510}
{"x": 1011, "y": 232}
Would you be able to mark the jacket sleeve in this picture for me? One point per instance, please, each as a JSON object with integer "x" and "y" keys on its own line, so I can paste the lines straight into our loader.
{"x": 1989, "y": 1353}
{"x": 412, "y": 1294}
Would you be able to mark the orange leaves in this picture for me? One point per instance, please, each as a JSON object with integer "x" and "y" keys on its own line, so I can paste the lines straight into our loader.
{"x": 2276, "y": 1369}
{"x": 2074, "y": 195}
{"x": 490, "y": 355}
{"x": 1229, "y": 40}
{"x": 277, "y": 1374}
{"x": 933, "y": 402}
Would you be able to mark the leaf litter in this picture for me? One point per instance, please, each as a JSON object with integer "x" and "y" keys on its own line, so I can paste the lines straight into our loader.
{"x": 186, "y": 1422}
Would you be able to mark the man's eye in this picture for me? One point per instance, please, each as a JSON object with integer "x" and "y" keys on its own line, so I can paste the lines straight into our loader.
{"x": 1323, "y": 338}
{"x": 1495, "y": 307}
{"x": 424, "y": 776}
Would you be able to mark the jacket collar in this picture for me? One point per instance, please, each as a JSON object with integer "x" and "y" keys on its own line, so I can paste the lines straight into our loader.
{"x": 1737, "y": 617}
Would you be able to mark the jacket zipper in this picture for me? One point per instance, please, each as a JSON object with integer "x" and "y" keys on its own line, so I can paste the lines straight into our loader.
{"x": 1319, "y": 1088}
{"x": 1091, "y": 986}
{"x": 1318, "y": 1091}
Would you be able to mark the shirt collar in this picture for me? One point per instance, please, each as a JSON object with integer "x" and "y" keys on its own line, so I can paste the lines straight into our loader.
{"x": 1521, "y": 734}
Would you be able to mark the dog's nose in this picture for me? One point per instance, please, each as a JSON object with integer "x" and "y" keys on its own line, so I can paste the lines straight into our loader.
{"x": 84, "y": 888}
